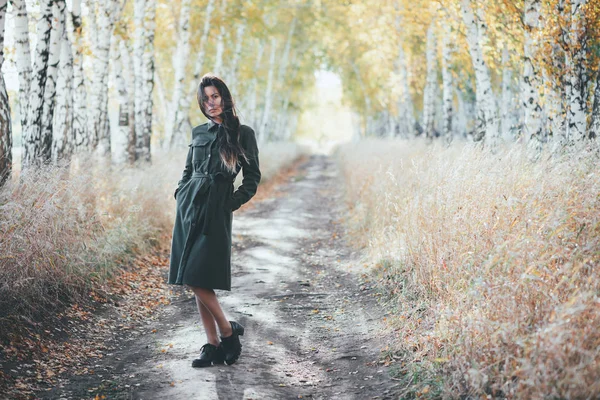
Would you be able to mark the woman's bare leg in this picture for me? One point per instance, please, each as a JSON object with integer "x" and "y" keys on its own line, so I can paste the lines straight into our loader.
{"x": 209, "y": 323}
{"x": 208, "y": 298}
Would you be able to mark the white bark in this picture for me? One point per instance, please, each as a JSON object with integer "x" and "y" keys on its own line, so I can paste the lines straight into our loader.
{"x": 23, "y": 55}
{"x": 182, "y": 53}
{"x": 367, "y": 113}
{"x": 283, "y": 115}
{"x": 253, "y": 116}
{"x": 80, "y": 136}
{"x": 595, "y": 122}
{"x": 143, "y": 135}
{"x": 530, "y": 83}
{"x": 32, "y": 149}
{"x": 62, "y": 130}
{"x": 487, "y": 120}
{"x": 448, "y": 86}
{"x": 182, "y": 131}
{"x": 506, "y": 99}
{"x": 283, "y": 98}
{"x": 576, "y": 90}
{"x": 128, "y": 71}
{"x": 264, "y": 132}
{"x": 406, "y": 110}
{"x": 55, "y": 49}
{"x": 429, "y": 93}
{"x": 98, "y": 123}
{"x": 218, "y": 70}
{"x": 231, "y": 77}
{"x": 5, "y": 122}
{"x": 121, "y": 87}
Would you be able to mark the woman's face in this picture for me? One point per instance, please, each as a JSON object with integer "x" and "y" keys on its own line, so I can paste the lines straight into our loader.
{"x": 213, "y": 103}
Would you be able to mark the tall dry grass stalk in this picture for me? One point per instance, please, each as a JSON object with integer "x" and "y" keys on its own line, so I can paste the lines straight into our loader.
{"x": 491, "y": 263}
{"x": 64, "y": 229}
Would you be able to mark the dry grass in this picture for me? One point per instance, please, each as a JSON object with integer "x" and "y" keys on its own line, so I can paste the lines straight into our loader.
{"x": 66, "y": 229}
{"x": 491, "y": 264}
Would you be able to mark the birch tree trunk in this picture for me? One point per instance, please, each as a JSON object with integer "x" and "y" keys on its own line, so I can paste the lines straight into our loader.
{"x": 506, "y": 99}
{"x": 99, "y": 123}
{"x": 530, "y": 83}
{"x": 430, "y": 84}
{"x": 276, "y": 131}
{"x": 80, "y": 136}
{"x": 5, "y": 122}
{"x": 487, "y": 120}
{"x": 62, "y": 130}
{"x": 595, "y": 122}
{"x": 231, "y": 77}
{"x": 406, "y": 110}
{"x": 576, "y": 85}
{"x": 363, "y": 88}
{"x": 182, "y": 132}
{"x": 448, "y": 90}
{"x": 23, "y": 55}
{"x": 55, "y": 48}
{"x": 283, "y": 115}
{"x": 182, "y": 53}
{"x": 143, "y": 135}
{"x": 218, "y": 70}
{"x": 264, "y": 132}
{"x": 122, "y": 94}
{"x": 32, "y": 149}
{"x": 252, "y": 92}
{"x": 128, "y": 71}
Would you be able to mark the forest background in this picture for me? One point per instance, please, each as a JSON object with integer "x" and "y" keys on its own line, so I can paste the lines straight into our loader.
{"x": 478, "y": 200}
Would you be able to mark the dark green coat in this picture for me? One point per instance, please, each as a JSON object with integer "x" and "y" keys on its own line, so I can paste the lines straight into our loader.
{"x": 201, "y": 244}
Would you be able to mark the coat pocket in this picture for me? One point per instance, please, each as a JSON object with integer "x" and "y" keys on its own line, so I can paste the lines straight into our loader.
{"x": 200, "y": 149}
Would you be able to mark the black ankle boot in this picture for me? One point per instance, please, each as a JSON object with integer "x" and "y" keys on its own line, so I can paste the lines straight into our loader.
{"x": 230, "y": 345}
{"x": 209, "y": 354}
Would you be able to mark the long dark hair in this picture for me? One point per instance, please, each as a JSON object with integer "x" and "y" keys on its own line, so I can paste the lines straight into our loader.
{"x": 229, "y": 139}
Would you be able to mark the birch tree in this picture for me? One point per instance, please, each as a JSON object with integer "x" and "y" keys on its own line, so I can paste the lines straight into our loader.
{"x": 530, "y": 82}
{"x": 406, "y": 113}
{"x": 55, "y": 49}
{"x": 486, "y": 123}
{"x": 80, "y": 134}
{"x": 264, "y": 125}
{"x": 103, "y": 16}
{"x": 179, "y": 65}
{"x": 32, "y": 149}
{"x": 218, "y": 68}
{"x": 231, "y": 76}
{"x": 506, "y": 97}
{"x": 282, "y": 70}
{"x": 23, "y": 55}
{"x": 447, "y": 84}
{"x": 429, "y": 93}
{"x": 5, "y": 122}
{"x": 62, "y": 129}
{"x": 577, "y": 79}
{"x": 121, "y": 86}
{"x": 253, "y": 87}
{"x": 144, "y": 125}
{"x": 128, "y": 71}
{"x": 595, "y": 121}
{"x": 182, "y": 123}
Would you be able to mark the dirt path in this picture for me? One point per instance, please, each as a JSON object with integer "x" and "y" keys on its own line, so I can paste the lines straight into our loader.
{"x": 313, "y": 329}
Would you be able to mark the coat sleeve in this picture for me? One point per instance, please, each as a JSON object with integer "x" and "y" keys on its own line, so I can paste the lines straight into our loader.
{"x": 187, "y": 171}
{"x": 250, "y": 170}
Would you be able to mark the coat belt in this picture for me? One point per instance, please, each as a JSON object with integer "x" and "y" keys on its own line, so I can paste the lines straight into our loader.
{"x": 216, "y": 185}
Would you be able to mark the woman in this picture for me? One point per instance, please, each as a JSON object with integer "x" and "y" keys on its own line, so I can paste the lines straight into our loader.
{"x": 201, "y": 245}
